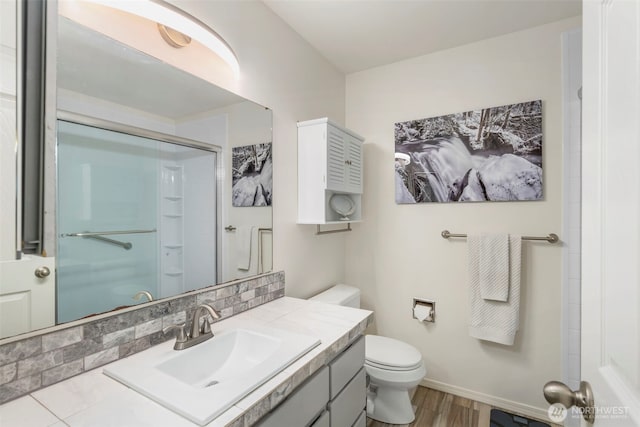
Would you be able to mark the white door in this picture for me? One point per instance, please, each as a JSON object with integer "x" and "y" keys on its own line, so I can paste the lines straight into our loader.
{"x": 611, "y": 209}
{"x": 336, "y": 159}
{"x": 27, "y": 302}
{"x": 353, "y": 156}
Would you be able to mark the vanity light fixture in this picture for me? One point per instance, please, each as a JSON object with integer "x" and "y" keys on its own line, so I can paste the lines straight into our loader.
{"x": 173, "y": 38}
{"x": 172, "y": 20}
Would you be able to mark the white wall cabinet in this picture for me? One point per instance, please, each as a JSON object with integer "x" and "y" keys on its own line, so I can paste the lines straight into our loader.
{"x": 330, "y": 162}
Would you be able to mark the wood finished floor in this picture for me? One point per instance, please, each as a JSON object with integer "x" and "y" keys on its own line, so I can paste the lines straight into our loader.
{"x": 439, "y": 409}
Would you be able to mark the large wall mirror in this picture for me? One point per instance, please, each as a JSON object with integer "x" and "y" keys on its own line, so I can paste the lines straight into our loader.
{"x": 163, "y": 181}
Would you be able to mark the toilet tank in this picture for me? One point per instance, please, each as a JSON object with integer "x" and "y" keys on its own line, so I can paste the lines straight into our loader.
{"x": 345, "y": 295}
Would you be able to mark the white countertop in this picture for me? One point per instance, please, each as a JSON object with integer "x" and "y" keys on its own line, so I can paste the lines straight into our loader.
{"x": 93, "y": 399}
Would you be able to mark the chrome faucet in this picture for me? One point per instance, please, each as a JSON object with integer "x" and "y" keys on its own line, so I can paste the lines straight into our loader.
{"x": 196, "y": 333}
{"x": 141, "y": 294}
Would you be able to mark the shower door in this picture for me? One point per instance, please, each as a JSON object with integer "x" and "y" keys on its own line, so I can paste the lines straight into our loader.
{"x": 127, "y": 221}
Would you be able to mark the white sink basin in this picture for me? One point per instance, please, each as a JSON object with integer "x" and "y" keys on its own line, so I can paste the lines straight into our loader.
{"x": 203, "y": 381}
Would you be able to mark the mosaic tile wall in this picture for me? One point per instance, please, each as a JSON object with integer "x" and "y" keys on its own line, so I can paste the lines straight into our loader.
{"x": 36, "y": 362}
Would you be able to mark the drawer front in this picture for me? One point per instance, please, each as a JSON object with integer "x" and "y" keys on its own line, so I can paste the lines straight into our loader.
{"x": 302, "y": 406}
{"x": 345, "y": 366}
{"x": 362, "y": 420}
{"x": 323, "y": 421}
{"x": 349, "y": 403}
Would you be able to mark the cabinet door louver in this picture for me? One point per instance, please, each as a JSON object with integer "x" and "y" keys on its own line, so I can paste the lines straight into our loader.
{"x": 355, "y": 166}
{"x": 335, "y": 159}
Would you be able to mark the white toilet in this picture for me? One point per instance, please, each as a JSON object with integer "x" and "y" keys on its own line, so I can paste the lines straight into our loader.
{"x": 394, "y": 367}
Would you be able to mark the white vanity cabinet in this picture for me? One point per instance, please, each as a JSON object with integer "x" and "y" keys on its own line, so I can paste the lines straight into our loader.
{"x": 303, "y": 406}
{"x": 330, "y": 162}
{"x": 348, "y": 386}
{"x": 335, "y": 396}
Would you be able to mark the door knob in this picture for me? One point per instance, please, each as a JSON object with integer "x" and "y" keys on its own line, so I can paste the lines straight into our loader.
{"x": 42, "y": 272}
{"x": 558, "y": 392}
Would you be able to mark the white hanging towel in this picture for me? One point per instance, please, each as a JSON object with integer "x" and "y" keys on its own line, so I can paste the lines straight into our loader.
{"x": 244, "y": 235}
{"x": 493, "y": 266}
{"x": 491, "y": 319}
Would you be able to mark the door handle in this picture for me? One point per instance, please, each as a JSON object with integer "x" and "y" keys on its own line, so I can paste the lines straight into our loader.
{"x": 558, "y": 392}
{"x": 42, "y": 272}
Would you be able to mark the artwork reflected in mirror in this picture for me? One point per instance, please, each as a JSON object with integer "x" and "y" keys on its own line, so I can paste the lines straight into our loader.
{"x": 143, "y": 165}
{"x": 252, "y": 175}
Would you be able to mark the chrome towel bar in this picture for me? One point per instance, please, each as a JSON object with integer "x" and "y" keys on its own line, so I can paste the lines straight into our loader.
{"x": 551, "y": 238}
{"x": 340, "y": 230}
{"x": 260, "y": 230}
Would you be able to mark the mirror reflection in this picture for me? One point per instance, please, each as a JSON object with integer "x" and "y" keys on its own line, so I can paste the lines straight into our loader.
{"x": 136, "y": 216}
{"x": 146, "y": 158}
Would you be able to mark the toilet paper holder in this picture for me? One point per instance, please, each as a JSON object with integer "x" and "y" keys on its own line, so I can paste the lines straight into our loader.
{"x": 430, "y": 305}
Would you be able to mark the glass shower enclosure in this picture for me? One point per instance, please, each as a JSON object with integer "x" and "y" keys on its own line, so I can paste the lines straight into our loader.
{"x": 135, "y": 216}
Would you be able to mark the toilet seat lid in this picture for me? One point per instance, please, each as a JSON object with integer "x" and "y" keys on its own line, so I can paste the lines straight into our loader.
{"x": 390, "y": 352}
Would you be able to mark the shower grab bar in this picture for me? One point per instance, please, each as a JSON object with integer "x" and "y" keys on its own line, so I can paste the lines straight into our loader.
{"x": 551, "y": 238}
{"x": 125, "y": 245}
{"x": 106, "y": 233}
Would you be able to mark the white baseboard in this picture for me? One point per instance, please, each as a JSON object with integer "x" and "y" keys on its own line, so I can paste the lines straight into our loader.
{"x": 498, "y": 402}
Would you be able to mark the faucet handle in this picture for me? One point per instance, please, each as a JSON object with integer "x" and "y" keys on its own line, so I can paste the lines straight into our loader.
{"x": 205, "y": 328}
{"x": 181, "y": 336}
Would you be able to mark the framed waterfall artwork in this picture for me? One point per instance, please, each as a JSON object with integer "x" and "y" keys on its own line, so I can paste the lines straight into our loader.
{"x": 252, "y": 175}
{"x": 492, "y": 154}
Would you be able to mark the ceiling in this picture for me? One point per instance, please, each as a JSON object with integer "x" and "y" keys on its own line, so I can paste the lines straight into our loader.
{"x": 92, "y": 64}
{"x": 356, "y": 35}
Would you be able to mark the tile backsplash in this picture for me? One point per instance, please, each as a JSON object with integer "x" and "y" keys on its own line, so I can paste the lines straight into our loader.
{"x": 38, "y": 361}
